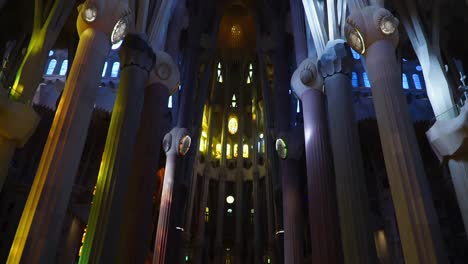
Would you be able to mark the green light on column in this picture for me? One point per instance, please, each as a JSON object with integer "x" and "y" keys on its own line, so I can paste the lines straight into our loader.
{"x": 268, "y": 260}
{"x": 186, "y": 258}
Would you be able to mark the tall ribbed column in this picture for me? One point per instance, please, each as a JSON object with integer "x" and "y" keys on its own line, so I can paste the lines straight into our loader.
{"x": 17, "y": 124}
{"x": 415, "y": 213}
{"x": 135, "y": 238}
{"x": 220, "y": 212}
{"x": 199, "y": 240}
{"x": 293, "y": 223}
{"x": 335, "y": 66}
{"x": 239, "y": 245}
{"x": 257, "y": 224}
{"x": 323, "y": 211}
{"x": 40, "y": 225}
{"x": 298, "y": 25}
{"x": 137, "y": 59}
{"x": 176, "y": 143}
{"x": 448, "y": 139}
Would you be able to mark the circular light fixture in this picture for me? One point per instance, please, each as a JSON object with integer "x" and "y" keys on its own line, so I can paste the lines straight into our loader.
{"x": 120, "y": 30}
{"x": 356, "y": 40}
{"x": 89, "y": 14}
{"x": 233, "y": 125}
{"x": 388, "y": 24}
{"x": 230, "y": 199}
{"x": 261, "y": 135}
{"x": 167, "y": 142}
{"x": 184, "y": 145}
{"x": 281, "y": 148}
{"x": 117, "y": 45}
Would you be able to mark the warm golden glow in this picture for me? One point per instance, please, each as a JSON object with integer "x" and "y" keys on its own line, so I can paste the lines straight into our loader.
{"x": 228, "y": 151}
{"x": 245, "y": 151}
{"x": 218, "y": 151}
{"x": 233, "y": 125}
{"x": 236, "y": 150}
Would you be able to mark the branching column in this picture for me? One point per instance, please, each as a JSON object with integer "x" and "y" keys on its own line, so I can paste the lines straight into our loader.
{"x": 40, "y": 225}
{"x": 176, "y": 143}
{"x": 137, "y": 59}
{"x": 136, "y": 226}
{"x": 373, "y": 32}
{"x": 323, "y": 211}
{"x": 335, "y": 66}
{"x": 448, "y": 139}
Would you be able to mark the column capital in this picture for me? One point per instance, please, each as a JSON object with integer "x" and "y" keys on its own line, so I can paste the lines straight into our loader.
{"x": 336, "y": 58}
{"x": 448, "y": 138}
{"x": 177, "y": 141}
{"x": 17, "y": 121}
{"x": 369, "y": 25}
{"x": 106, "y": 16}
{"x": 306, "y": 77}
{"x": 165, "y": 72}
{"x": 136, "y": 51}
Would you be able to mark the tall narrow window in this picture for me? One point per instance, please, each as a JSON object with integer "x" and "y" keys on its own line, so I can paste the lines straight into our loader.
{"x": 220, "y": 73}
{"x": 115, "y": 69}
{"x": 104, "y": 69}
{"x": 298, "y": 108}
{"x": 250, "y": 74}
{"x": 234, "y": 101}
{"x": 355, "y": 79}
{"x": 51, "y": 67}
{"x": 169, "y": 102}
{"x": 366, "y": 79}
{"x": 245, "y": 151}
{"x": 64, "y": 68}
{"x": 417, "y": 81}
{"x": 405, "y": 81}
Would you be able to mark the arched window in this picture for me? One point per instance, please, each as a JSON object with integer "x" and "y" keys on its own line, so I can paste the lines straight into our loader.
{"x": 245, "y": 151}
{"x": 355, "y": 79}
{"x": 366, "y": 79}
{"x": 104, "y": 69}
{"x": 356, "y": 55}
{"x": 405, "y": 81}
{"x": 169, "y": 102}
{"x": 220, "y": 73}
{"x": 51, "y": 67}
{"x": 417, "y": 81}
{"x": 64, "y": 68}
{"x": 115, "y": 69}
{"x": 298, "y": 108}
{"x": 234, "y": 101}
{"x": 51, "y": 52}
{"x": 250, "y": 76}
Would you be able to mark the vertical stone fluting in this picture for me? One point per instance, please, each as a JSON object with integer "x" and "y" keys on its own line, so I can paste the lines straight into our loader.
{"x": 257, "y": 224}
{"x": 323, "y": 211}
{"x": 298, "y": 23}
{"x": 239, "y": 246}
{"x": 137, "y": 60}
{"x": 135, "y": 239}
{"x": 335, "y": 66}
{"x": 40, "y": 225}
{"x": 373, "y": 30}
{"x": 171, "y": 144}
{"x": 200, "y": 234}
{"x": 219, "y": 250}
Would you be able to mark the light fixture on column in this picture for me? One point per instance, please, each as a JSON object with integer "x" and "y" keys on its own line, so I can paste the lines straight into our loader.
{"x": 281, "y": 148}
{"x": 230, "y": 199}
{"x": 354, "y": 37}
{"x": 233, "y": 125}
{"x": 90, "y": 13}
{"x": 120, "y": 29}
{"x": 388, "y": 24}
{"x": 184, "y": 145}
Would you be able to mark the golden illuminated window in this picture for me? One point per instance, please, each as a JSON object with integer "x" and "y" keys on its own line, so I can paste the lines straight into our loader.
{"x": 233, "y": 125}
{"x": 220, "y": 73}
{"x": 250, "y": 74}
{"x": 218, "y": 151}
{"x": 203, "y": 141}
{"x": 207, "y": 214}
{"x": 228, "y": 151}
{"x": 245, "y": 151}
{"x": 236, "y": 150}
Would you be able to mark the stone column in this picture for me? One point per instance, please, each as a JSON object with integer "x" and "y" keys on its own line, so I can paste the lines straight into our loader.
{"x": 373, "y": 31}
{"x": 239, "y": 246}
{"x": 257, "y": 231}
{"x": 298, "y": 25}
{"x": 289, "y": 149}
{"x": 137, "y": 215}
{"x": 137, "y": 60}
{"x": 323, "y": 211}
{"x": 41, "y": 222}
{"x": 220, "y": 212}
{"x": 199, "y": 240}
{"x": 17, "y": 124}
{"x": 447, "y": 138}
{"x": 176, "y": 143}
{"x": 335, "y": 66}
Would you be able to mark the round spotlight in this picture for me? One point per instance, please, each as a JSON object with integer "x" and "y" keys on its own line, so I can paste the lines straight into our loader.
{"x": 230, "y": 199}
{"x": 90, "y": 13}
{"x": 281, "y": 148}
{"x": 120, "y": 30}
{"x": 184, "y": 145}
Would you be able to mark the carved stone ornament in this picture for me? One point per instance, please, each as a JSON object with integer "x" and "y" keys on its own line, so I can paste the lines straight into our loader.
{"x": 306, "y": 77}
{"x": 165, "y": 72}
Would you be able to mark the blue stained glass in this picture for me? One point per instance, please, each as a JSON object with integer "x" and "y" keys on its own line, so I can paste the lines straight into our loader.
{"x": 115, "y": 69}
{"x": 405, "y": 81}
{"x": 355, "y": 79}
{"x": 419, "y": 68}
{"x": 169, "y": 102}
{"x": 104, "y": 69}
{"x": 64, "y": 68}
{"x": 366, "y": 79}
{"x": 355, "y": 54}
{"x": 51, "y": 67}
{"x": 417, "y": 81}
